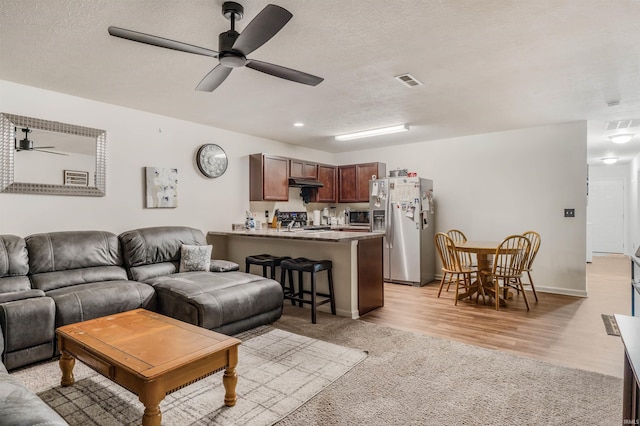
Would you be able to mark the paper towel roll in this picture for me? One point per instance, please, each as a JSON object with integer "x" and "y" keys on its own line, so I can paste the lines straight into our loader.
{"x": 316, "y": 217}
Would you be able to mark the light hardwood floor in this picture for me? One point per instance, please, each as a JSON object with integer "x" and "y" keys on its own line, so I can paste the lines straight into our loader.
{"x": 559, "y": 329}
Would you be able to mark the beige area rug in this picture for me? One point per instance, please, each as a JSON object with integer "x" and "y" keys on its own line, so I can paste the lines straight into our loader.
{"x": 277, "y": 372}
{"x": 413, "y": 379}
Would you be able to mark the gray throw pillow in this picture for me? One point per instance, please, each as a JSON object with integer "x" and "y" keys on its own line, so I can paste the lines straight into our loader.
{"x": 195, "y": 258}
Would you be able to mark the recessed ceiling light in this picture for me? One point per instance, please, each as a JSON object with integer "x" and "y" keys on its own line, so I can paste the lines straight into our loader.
{"x": 609, "y": 160}
{"x": 298, "y": 124}
{"x": 621, "y": 138}
{"x": 374, "y": 132}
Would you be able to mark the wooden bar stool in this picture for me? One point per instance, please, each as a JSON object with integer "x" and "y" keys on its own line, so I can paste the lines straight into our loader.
{"x": 265, "y": 260}
{"x": 301, "y": 265}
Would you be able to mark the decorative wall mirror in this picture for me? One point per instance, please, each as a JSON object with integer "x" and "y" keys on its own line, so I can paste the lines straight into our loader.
{"x": 48, "y": 157}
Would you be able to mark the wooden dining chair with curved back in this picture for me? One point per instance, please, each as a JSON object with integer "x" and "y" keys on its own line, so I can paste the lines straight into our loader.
{"x": 452, "y": 267}
{"x": 534, "y": 239}
{"x": 458, "y": 237}
{"x": 508, "y": 264}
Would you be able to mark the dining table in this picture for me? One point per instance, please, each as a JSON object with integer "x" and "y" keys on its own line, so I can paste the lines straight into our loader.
{"x": 484, "y": 251}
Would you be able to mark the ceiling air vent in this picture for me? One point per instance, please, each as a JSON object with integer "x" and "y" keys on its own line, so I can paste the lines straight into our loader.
{"x": 622, "y": 124}
{"x": 408, "y": 80}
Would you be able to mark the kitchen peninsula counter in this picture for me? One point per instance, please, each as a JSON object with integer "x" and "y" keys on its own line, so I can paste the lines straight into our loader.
{"x": 356, "y": 258}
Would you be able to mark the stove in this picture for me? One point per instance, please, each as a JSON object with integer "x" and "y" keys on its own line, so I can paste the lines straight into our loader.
{"x": 287, "y": 217}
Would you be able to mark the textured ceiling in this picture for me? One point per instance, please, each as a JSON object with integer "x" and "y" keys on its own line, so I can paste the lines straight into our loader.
{"x": 486, "y": 65}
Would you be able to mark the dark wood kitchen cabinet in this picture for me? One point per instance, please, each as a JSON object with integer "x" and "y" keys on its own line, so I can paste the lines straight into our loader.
{"x": 303, "y": 169}
{"x": 268, "y": 178}
{"x": 353, "y": 181}
{"x": 328, "y": 175}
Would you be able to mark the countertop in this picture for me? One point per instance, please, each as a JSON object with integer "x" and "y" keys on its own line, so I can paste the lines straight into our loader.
{"x": 303, "y": 234}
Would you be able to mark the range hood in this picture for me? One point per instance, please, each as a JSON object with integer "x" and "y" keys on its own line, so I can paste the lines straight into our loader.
{"x": 305, "y": 183}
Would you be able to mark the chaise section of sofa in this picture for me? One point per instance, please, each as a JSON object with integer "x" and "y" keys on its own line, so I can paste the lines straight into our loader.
{"x": 228, "y": 302}
{"x": 82, "y": 271}
{"x": 26, "y": 314}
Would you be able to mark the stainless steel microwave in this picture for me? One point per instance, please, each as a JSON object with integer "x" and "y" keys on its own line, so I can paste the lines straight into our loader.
{"x": 359, "y": 217}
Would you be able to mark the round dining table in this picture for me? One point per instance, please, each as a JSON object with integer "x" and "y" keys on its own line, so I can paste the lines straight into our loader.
{"x": 484, "y": 251}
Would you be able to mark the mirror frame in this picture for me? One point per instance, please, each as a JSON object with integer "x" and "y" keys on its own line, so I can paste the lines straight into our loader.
{"x": 8, "y": 124}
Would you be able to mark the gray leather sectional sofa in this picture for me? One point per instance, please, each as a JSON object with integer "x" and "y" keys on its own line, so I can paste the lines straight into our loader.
{"x": 53, "y": 279}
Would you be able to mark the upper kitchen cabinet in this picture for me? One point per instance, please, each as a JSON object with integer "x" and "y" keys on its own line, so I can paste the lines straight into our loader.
{"x": 353, "y": 181}
{"x": 303, "y": 169}
{"x": 268, "y": 178}
{"x": 328, "y": 175}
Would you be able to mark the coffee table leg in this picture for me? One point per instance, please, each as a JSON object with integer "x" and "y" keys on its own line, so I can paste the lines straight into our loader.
{"x": 66, "y": 366}
{"x": 151, "y": 396}
{"x": 230, "y": 378}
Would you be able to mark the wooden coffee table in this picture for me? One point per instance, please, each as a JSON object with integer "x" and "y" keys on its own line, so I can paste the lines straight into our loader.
{"x": 150, "y": 354}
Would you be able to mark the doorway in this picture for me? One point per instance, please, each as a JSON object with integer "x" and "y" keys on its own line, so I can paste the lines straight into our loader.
{"x": 606, "y": 214}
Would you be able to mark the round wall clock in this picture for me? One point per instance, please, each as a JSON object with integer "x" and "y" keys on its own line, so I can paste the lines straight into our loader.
{"x": 211, "y": 160}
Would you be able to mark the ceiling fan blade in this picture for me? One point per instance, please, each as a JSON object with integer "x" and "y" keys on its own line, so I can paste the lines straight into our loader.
{"x": 160, "y": 42}
{"x": 215, "y": 77}
{"x": 283, "y": 72}
{"x": 264, "y": 26}
{"x": 49, "y": 152}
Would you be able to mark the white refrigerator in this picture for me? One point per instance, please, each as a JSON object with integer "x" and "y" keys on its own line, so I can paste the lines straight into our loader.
{"x": 403, "y": 208}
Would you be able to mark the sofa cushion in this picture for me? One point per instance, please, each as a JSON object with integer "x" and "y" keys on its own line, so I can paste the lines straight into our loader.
{"x": 159, "y": 244}
{"x": 195, "y": 258}
{"x": 60, "y": 259}
{"x": 14, "y": 264}
{"x": 211, "y": 299}
{"x": 92, "y": 300}
{"x": 21, "y": 407}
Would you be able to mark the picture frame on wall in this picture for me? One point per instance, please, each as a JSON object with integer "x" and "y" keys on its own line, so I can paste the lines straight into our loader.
{"x": 161, "y": 187}
{"x": 76, "y": 178}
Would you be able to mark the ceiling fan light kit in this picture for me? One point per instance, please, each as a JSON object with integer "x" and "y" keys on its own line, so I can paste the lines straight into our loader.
{"x": 233, "y": 46}
{"x": 622, "y": 138}
{"x": 374, "y": 132}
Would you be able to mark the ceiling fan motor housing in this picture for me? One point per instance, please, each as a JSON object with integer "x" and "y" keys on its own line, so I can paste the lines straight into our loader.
{"x": 25, "y": 144}
{"x": 228, "y": 56}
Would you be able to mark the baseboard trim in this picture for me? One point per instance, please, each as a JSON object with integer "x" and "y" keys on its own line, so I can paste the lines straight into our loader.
{"x": 553, "y": 290}
{"x": 562, "y": 291}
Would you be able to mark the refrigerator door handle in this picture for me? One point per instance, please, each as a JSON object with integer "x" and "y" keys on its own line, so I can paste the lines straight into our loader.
{"x": 389, "y": 225}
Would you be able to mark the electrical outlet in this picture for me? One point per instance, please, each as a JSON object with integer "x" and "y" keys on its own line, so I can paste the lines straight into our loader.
{"x": 569, "y": 212}
{"x": 266, "y": 214}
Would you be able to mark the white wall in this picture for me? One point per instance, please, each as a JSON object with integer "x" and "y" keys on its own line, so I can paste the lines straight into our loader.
{"x": 487, "y": 185}
{"x": 137, "y": 139}
{"x": 634, "y": 205}
{"x": 497, "y": 184}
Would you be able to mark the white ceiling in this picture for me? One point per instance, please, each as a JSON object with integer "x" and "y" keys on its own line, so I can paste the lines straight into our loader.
{"x": 486, "y": 65}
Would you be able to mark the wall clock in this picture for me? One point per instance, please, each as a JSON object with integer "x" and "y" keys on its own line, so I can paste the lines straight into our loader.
{"x": 211, "y": 160}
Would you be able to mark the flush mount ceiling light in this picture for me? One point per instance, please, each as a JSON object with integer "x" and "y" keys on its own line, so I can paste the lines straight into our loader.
{"x": 298, "y": 124}
{"x": 609, "y": 160}
{"x": 374, "y": 132}
{"x": 621, "y": 138}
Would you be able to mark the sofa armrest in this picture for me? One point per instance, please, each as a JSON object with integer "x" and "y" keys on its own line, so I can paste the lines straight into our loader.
{"x": 20, "y": 295}
{"x": 223, "y": 266}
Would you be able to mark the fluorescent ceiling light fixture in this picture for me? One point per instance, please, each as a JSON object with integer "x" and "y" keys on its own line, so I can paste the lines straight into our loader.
{"x": 374, "y": 132}
{"x": 609, "y": 160}
{"x": 621, "y": 138}
{"x": 298, "y": 124}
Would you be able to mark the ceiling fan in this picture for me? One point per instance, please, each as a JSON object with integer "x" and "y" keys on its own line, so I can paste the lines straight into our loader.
{"x": 27, "y": 145}
{"x": 233, "y": 46}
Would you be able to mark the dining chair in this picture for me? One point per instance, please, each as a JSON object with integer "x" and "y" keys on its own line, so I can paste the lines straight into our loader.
{"x": 458, "y": 237}
{"x": 452, "y": 267}
{"x": 508, "y": 264}
{"x": 534, "y": 239}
